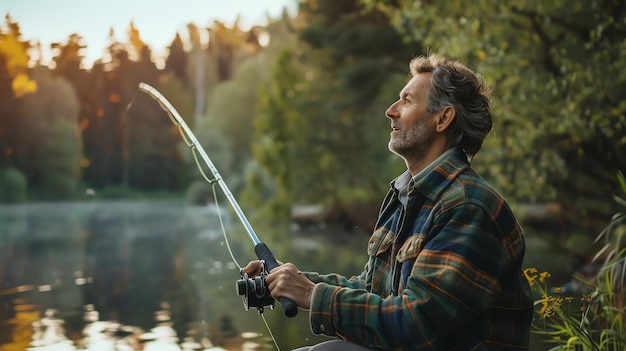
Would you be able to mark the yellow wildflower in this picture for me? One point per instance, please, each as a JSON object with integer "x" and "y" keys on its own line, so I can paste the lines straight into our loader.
{"x": 531, "y": 275}
{"x": 543, "y": 276}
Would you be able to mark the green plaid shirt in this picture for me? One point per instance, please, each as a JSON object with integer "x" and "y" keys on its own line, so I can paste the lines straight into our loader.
{"x": 444, "y": 270}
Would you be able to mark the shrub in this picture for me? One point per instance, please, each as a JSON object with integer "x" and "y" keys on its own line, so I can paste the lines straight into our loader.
{"x": 57, "y": 187}
{"x": 200, "y": 193}
{"x": 13, "y": 185}
{"x": 596, "y": 320}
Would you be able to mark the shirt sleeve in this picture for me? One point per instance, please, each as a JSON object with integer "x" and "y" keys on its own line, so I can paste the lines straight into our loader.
{"x": 450, "y": 286}
{"x": 356, "y": 282}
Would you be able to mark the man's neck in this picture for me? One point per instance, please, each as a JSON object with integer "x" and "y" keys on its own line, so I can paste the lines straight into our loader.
{"x": 417, "y": 165}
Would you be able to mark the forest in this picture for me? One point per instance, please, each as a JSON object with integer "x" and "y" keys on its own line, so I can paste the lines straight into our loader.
{"x": 292, "y": 113}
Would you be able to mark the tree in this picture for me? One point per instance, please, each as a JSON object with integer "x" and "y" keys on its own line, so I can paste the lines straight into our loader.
{"x": 234, "y": 103}
{"x": 104, "y": 132}
{"x": 14, "y": 85}
{"x": 69, "y": 58}
{"x": 153, "y": 158}
{"x": 14, "y": 52}
{"x": 347, "y": 54}
{"x": 128, "y": 148}
{"x": 278, "y": 130}
{"x": 52, "y": 148}
{"x": 355, "y": 43}
{"x": 176, "y": 61}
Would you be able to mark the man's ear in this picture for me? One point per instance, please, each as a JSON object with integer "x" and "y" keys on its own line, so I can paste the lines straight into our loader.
{"x": 445, "y": 118}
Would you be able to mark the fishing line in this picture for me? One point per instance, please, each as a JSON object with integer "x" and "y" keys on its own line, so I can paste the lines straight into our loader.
{"x": 206, "y": 178}
{"x": 232, "y": 256}
{"x": 270, "y": 332}
{"x": 219, "y": 216}
{"x": 261, "y": 250}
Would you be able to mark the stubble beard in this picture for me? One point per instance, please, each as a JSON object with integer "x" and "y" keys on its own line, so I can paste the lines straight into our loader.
{"x": 413, "y": 143}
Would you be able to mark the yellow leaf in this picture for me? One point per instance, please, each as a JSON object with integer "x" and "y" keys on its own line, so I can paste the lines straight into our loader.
{"x": 15, "y": 54}
{"x": 23, "y": 85}
{"x": 481, "y": 55}
{"x": 574, "y": 340}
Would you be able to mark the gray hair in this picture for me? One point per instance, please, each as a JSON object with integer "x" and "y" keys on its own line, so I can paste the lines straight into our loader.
{"x": 454, "y": 84}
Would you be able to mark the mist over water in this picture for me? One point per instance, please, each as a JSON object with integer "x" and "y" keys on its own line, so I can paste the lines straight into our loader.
{"x": 127, "y": 267}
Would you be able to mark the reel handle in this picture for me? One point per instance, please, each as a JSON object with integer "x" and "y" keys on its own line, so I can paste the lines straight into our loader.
{"x": 264, "y": 253}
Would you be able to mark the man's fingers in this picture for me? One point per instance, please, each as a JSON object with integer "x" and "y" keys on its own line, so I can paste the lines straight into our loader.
{"x": 288, "y": 281}
{"x": 253, "y": 268}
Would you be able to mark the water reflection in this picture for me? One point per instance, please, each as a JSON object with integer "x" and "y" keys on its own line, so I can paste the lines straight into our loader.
{"x": 49, "y": 334}
{"x": 107, "y": 335}
{"x": 122, "y": 275}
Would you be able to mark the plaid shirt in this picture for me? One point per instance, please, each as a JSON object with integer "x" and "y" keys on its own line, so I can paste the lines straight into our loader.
{"x": 444, "y": 271}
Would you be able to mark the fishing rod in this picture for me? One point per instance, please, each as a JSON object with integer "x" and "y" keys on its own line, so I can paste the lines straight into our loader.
{"x": 253, "y": 290}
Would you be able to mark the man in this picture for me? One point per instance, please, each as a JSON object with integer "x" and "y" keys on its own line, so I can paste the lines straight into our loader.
{"x": 444, "y": 268}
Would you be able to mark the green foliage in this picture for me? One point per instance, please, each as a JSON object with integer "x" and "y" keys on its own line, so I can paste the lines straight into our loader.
{"x": 560, "y": 116}
{"x": 51, "y": 147}
{"x": 152, "y": 158}
{"x": 236, "y": 71}
{"x": 13, "y": 184}
{"x": 176, "y": 61}
{"x": 278, "y": 131}
{"x": 257, "y": 194}
{"x": 219, "y": 149}
{"x": 598, "y": 322}
{"x": 357, "y": 45}
{"x": 233, "y": 105}
{"x": 199, "y": 193}
{"x": 57, "y": 187}
{"x": 179, "y": 96}
{"x": 315, "y": 148}
{"x": 321, "y": 133}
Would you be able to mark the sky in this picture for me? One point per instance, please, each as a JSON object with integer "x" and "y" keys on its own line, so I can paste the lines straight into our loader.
{"x": 158, "y": 21}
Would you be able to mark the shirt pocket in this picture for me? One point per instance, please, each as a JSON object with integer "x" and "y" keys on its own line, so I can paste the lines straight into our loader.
{"x": 411, "y": 248}
{"x": 380, "y": 242}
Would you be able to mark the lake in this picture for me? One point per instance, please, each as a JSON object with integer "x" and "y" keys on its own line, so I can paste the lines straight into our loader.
{"x": 129, "y": 271}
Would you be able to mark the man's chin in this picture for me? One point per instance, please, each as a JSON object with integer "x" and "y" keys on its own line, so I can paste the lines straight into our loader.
{"x": 394, "y": 148}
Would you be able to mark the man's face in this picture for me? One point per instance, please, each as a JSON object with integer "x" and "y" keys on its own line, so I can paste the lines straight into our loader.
{"x": 412, "y": 129}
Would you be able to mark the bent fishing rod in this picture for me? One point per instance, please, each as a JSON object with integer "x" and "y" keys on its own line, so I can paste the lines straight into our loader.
{"x": 254, "y": 290}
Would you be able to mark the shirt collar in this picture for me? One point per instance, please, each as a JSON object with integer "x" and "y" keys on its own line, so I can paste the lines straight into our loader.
{"x": 424, "y": 172}
{"x": 430, "y": 179}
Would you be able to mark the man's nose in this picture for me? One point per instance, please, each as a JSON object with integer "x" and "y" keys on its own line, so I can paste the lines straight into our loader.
{"x": 392, "y": 111}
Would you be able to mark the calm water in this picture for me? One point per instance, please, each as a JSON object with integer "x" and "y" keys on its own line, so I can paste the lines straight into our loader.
{"x": 96, "y": 273}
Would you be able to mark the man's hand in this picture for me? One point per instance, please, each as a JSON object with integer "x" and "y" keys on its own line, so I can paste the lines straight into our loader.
{"x": 287, "y": 281}
{"x": 253, "y": 269}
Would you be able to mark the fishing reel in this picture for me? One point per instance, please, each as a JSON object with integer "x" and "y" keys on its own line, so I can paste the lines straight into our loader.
{"x": 254, "y": 291}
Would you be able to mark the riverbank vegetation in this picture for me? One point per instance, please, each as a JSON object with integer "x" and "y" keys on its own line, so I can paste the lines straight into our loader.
{"x": 589, "y": 313}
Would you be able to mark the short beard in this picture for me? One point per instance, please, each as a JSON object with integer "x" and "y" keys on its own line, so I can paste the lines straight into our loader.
{"x": 412, "y": 144}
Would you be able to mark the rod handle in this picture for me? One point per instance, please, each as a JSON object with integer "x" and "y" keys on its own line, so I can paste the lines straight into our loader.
{"x": 264, "y": 253}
